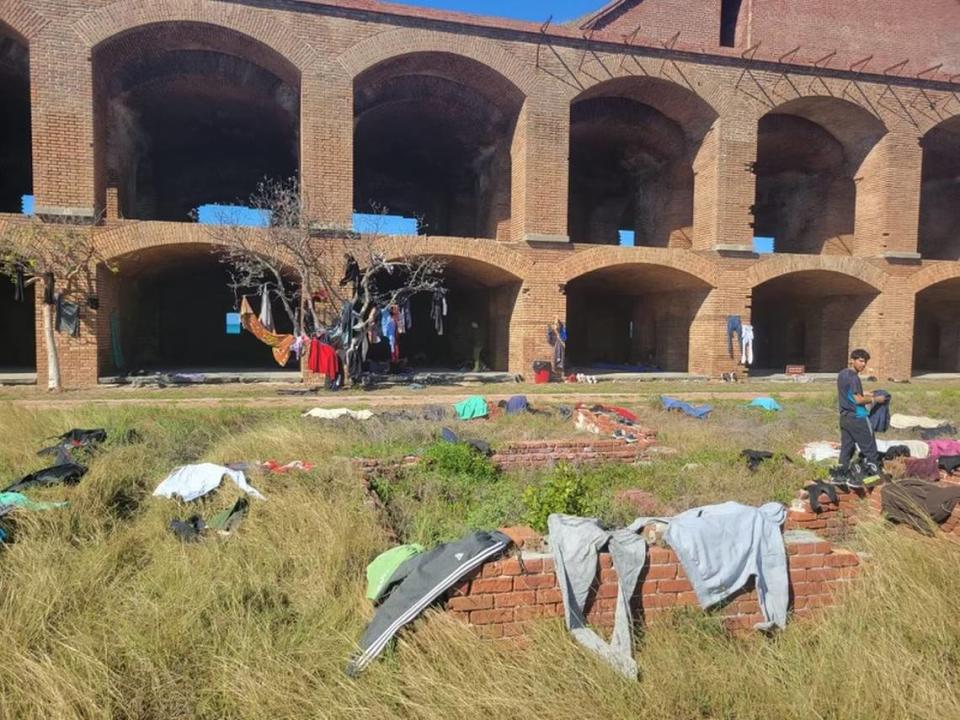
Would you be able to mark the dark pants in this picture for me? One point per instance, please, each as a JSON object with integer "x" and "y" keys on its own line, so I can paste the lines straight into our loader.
{"x": 856, "y": 433}
{"x": 733, "y": 326}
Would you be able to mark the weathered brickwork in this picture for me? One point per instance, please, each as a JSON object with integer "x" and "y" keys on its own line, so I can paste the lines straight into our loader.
{"x": 806, "y": 127}
{"x": 504, "y": 598}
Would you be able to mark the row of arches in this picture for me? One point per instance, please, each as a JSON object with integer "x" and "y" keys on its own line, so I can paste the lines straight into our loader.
{"x": 188, "y": 113}
{"x": 165, "y": 311}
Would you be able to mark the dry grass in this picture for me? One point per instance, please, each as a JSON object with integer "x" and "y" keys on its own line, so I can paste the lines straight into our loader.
{"x": 106, "y": 615}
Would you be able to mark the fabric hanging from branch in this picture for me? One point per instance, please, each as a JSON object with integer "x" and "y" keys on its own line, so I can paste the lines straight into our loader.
{"x": 281, "y": 344}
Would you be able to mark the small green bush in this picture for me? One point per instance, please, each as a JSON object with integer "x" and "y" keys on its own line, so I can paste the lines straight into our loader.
{"x": 459, "y": 459}
{"x": 566, "y": 490}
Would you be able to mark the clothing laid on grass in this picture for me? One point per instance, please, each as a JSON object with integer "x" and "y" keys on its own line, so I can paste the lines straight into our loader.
{"x": 281, "y": 344}
{"x": 194, "y": 481}
{"x": 922, "y": 468}
{"x": 517, "y": 404}
{"x": 337, "y": 413}
{"x": 700, "y": 411}
{"x": 471, "y": 408}
{"x": 17, "y": 500}
{"x": 575, "y": 543}
{"x": 915, "y": 422}
{"x": 765, "y": 403}
{"x": 918, "y": 503}
{"x": 419, "y": 582}
{"x": 918, "y": 448}
{"x": 66, "y": 473}
{"x": 820, "y": 450}
{"x": 943, "y": 447}
{"x": 949, "y": 463}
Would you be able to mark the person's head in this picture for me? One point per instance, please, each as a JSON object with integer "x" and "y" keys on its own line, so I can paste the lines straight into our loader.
{"x": 858, "y": 359}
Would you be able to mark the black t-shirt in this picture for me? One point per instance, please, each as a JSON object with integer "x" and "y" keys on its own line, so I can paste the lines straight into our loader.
{"x": 848, "y": 385}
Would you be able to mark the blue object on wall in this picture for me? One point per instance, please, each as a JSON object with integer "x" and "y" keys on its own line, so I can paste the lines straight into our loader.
{"x": 233, "y": 323}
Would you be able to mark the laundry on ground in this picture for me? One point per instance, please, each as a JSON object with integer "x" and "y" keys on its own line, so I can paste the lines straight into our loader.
{"x": 336, "y": 413}
{"x": 194, "y": 481}
{"x": 700, "y": 411}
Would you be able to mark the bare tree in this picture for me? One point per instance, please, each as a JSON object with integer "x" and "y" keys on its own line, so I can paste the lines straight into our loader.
{"x": 60, "y": 255}
{"x": 318, "y": 273}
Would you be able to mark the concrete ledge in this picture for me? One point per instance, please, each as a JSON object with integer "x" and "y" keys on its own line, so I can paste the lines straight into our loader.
{"x": 53, "y": 211}
{"x": 734, "y": 248}
{"x": 540, "y": 238}
{"x": 897, "y": 255}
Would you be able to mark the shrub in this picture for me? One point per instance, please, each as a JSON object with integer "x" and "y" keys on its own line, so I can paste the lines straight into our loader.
{"x": 459, "y": 459}
{"x": 567, "y": 491}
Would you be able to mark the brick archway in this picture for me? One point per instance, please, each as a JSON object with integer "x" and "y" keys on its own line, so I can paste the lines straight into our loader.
{"x": 601, "y": 257}
{"x": 124, "y": 15}
{"x": 782, "y": 265}
{"x": 24, "y": 21}
{"x": 501, "y": 259}
{"x": 934, "y": 274}
{"x": 396, "y": 43}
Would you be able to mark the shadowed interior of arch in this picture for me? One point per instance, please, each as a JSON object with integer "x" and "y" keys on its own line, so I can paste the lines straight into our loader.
{"x": 188, "y": 114}
{"x": 480, "y": 305}
{"x": 167, "y": 306}
{"x": 16, "y": 177}
{"x": 633, "y": 315}
{"x": 936, "y": 330}
{"x": 633, "y": 143}
{"x": 940, "y": 192}
{"x": 810, "y": 318}
{"x": 809, "y": 152}
{"x": 434, "y": 135}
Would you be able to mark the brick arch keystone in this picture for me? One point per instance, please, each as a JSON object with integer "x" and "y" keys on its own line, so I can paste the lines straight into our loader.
{"x": 780, "y": 265}
{"x": 488, "y": 252}
{"x": 405, "y": 41}
{"x": 933, "y": 274}
{"x": 608, "y": 256}
{"x": 124, "y": 15}
{"x": 24, "y": 21}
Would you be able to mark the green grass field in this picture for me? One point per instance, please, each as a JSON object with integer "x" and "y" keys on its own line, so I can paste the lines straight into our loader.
{"x": 105, "y": 614}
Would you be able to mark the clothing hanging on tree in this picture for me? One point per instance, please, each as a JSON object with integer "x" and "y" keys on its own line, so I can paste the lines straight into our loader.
{"x": 48, "y": 286}
{"x": 438, "y": 309}
{"x": 373, "y": 327}
{"x": 281, "y": 344}
{"x": 351, "y": 274}
{"x": 324, "y": 360}
{"x": 19, "y": 289}
{"x": 68, "y": 317}
{"x": 266, "y": 309}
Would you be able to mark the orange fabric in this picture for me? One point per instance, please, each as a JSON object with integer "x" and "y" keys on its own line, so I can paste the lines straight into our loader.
{"x": 281, "y": 344}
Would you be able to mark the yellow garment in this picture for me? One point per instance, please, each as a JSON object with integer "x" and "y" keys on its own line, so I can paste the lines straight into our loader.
{"x": 281, "y": 344}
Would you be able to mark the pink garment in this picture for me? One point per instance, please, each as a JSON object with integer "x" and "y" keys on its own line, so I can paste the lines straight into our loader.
{"x": 939, "y": 448}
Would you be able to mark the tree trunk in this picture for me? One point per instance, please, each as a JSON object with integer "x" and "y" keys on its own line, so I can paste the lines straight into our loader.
{"x": 53, "y": 360}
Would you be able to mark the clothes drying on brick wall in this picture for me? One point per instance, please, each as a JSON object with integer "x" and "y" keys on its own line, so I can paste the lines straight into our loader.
{"x": 575, "y": 543}
{"x": 918, "y": 503}
{"x": 67, "y": 317}
{"x": 734, "y": 326}
{"x": 417, "y": 583}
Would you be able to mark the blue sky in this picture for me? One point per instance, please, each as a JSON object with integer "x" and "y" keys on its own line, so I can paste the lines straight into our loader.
{"x": 535, "y": 10}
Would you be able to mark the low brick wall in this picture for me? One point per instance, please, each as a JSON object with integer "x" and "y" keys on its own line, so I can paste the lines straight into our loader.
{"x": 503, "y": 598}
{"x": 531, "y": 454}
{"x": 836, "y": 521}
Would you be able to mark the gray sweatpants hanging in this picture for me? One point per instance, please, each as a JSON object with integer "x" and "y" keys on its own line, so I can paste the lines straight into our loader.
{"x": 422, "y": 579}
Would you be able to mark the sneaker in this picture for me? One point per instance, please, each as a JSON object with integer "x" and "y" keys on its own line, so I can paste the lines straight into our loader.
{"x": 854, "y": 482}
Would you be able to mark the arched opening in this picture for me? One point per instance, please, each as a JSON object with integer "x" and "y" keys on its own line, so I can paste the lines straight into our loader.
{"x": 632, "y": 317}
{"x": 188, "y": 114}
{"x": 940, "y": 192}
{"x": 433, "y": 141}
{"x": 810, "y": 153}
{"x": 807, "y": 318}
{"x": 480, "y": 300}
{"x": 16, "y": 170}
{"x": 633, "y": 144}
{"x": 936, "y": 330}
{"x": 166, "y": 312}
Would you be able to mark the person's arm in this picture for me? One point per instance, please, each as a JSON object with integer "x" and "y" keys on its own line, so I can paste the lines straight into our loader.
{"x": 869, "y": 399}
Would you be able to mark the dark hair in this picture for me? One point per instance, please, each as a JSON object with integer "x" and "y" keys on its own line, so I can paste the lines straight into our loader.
{"x": 859, "y": 354}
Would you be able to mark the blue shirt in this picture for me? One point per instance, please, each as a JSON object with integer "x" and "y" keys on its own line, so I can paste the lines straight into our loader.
{"x": 848, "y": 385}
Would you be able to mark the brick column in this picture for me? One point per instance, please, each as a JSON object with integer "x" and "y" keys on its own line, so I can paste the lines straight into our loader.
{"x": 539, "y": 303}
{"x": 62, "y": 114}
{"x": 326, "y": 146}
{"x": 892, "y": 337}
{"x": 78, "y": 356}
{"x": 709, "y": 354}
{"x": 888, "y": 198}
{"x": 724, "y": 184}
{"x": 540, "y": 170}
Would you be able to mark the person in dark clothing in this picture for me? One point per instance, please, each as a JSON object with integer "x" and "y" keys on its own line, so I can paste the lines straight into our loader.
{"x": 855, "y": 429}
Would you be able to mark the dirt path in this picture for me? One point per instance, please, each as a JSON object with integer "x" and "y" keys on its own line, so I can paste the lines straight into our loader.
{"x": 374, "y": 400}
